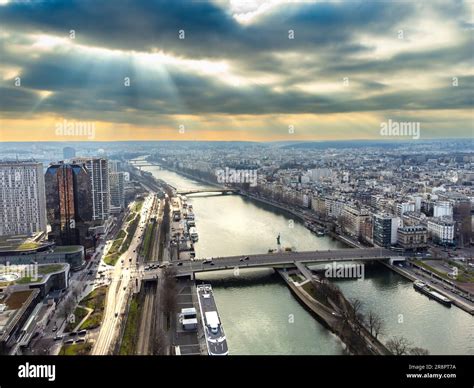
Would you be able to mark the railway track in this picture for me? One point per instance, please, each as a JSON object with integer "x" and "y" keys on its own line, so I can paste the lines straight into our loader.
{"x": 146, "y": 327}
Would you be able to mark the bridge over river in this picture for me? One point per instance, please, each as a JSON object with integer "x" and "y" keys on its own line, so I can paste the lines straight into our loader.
{"x": 217, "y": 190}
{"x": 278, "y": 260}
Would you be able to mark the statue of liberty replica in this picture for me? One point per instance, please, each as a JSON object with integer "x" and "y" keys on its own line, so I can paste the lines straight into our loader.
{"x": 278, "y": 243}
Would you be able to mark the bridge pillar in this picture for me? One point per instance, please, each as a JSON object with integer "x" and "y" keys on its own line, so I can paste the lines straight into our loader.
{"x": 393, "y": 260}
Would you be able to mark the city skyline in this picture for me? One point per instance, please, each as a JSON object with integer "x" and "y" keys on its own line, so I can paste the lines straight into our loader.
{"x": 255, "y": 71}
{"x": 237, "y": 178}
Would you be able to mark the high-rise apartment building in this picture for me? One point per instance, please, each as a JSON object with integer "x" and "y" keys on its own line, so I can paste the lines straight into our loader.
{"x": 98, "y": 169}
{"x": 22, "y": 198}
{"x": 117, "y": 187}
{"x": 68, "y": 202}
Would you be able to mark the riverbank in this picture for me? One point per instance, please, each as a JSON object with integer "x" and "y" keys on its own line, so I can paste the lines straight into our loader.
{"x": 187, "y": 175}
{"x": 456, "y": 300}
{"x": 356, "y": 338}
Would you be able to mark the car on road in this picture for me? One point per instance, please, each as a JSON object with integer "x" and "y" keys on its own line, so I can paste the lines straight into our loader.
{"x": 69, "y": 341}
{"x": 72, "y": 333}
{"x": 241, "y": 260}
{"x": 207, "y": 261}
{"x": 58, "y": 337}
{"x": 82, "y": 332}
{"x": 180, "y": 264}
{"x": 80, "y": 340}
{"x": 116, "y": 315}
{"x": 246, "y": 258}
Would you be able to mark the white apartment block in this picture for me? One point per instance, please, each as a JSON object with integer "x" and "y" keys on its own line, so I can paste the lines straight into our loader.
{"x": 353, "y": 219}
{"x": 442, "y": 209}
{"x": 405, "y": 207}
{"x": 318, "y": 174}
{"x": 441, "y": 230}
{"x": 22, "y": 198}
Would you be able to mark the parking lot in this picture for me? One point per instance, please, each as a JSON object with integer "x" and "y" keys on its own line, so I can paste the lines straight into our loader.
{"x": 188, "y": 341}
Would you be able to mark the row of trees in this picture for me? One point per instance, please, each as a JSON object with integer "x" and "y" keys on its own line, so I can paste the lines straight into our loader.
{"x": 398, "y": 345}
{"x": 354, "y": 316}
{"x": 66, "y": 307}
{"x": 169, "y": 293}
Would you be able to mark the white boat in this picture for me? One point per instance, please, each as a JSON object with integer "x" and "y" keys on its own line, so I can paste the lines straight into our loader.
{"x": 193, "y": 234}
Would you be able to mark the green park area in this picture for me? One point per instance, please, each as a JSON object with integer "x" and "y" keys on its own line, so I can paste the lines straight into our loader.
{"x": 124, "y": 237}
{"x": 148, "y": 241}
{"x": 122, "y": 242}
{"x": 129, "y": 341}
{"x": 96, "y": 302}
{"x": 79, "y": 314}
{"x": 465, "y": 275}
{"x": 81, "y": 349}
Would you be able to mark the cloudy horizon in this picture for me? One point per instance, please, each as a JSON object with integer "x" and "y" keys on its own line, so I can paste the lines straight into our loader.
{"x": 257, "y": 70}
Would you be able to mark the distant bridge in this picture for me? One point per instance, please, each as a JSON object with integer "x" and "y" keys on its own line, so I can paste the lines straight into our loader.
{"x": 280, "y": 260}
{"x": 146, "y": 164}
{"x": 223, "y": 191}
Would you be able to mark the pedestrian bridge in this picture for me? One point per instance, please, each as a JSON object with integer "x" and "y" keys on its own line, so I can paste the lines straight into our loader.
{"x": 278, "y": 260}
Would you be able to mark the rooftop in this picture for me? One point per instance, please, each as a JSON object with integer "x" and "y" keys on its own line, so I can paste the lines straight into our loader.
{"x": 22, "y": 243}
{"x": 13, "y": 306}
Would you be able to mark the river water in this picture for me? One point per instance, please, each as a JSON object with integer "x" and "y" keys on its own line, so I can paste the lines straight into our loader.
{"x": 259, "y": 313}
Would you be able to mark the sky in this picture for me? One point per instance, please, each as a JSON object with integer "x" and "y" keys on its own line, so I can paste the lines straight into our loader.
{"x": 256, "y": 70}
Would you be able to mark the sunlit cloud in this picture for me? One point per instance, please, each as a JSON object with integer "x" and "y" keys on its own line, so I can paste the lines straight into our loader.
{"x": 236, "y": 74}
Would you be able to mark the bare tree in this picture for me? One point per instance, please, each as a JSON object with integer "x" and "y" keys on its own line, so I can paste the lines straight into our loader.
{"x": 355, "y": 308}
{"x": 66, "y": 307}
{"x": 75, "y": 294}
{"x": 375, "y": 323}
{"x": 416, "y": 351}
{"x": 169, "y": 300}
{"x": 355, "y": 313}
{"x": 161, "y": 343}
{"x": 169, "y": 292}
{"x": 398, "y": 345}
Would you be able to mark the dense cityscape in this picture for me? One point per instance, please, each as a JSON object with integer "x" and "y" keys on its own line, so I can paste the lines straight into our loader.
{"x": 92, "y": 243}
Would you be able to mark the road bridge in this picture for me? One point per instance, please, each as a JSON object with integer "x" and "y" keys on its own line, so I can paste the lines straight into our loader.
{"x": 217, "y": 190}
{"x": 277, "y": 260}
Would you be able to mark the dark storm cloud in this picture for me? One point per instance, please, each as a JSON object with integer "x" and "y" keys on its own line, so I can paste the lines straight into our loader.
{"x": 210, "y": 31}
{"x": 324, "y": 50}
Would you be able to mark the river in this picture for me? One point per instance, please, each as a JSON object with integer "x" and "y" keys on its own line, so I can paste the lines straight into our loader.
{"x": 261, "y": 316}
